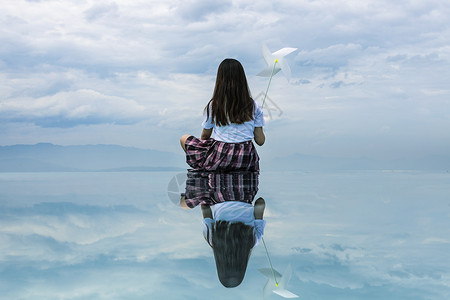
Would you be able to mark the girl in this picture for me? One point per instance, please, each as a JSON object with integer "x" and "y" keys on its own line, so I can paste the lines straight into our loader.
{"x": 232, "y": 225}
{"x": 212, "y": 188}
{"x": 234, "y": 118}
{"x": 232, "y": 232}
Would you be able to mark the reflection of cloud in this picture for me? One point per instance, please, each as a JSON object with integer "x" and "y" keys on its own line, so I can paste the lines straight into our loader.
{"x": 436, "y": 240}
{"x": 103, "y": 277}
{"x": 344, "y": 268}
{"x": 104, "y": 252}
{"x": 64, "y": 232}
{"x": 347, "y": 237}
{"x": 117, "y": 236}
{"x": 67, "y": 233}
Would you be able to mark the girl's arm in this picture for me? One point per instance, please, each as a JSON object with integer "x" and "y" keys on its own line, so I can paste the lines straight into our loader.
{"x": 206, "y": 211}
{"x": 260, "y": 138}
{"x": 206, "y": 134}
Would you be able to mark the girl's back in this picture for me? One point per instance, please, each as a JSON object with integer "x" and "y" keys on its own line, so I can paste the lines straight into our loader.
{"x": 234, "y": 118}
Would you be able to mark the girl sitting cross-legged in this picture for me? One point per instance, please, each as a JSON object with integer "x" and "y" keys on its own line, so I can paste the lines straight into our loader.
{"x": 235, "y": 119}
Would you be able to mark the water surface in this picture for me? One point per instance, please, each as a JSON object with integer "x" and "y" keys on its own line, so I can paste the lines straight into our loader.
{"x": 347, "y": 235}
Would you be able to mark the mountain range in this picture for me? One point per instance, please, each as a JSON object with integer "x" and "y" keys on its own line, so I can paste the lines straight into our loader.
{"x": 45, "y": 157}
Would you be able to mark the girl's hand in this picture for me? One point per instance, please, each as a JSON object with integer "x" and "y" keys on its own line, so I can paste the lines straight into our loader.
{"x": 206, "y": 134}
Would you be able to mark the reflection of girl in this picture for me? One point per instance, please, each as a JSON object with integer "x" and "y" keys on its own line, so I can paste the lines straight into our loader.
{"x": 211, "y": 188}
{"x": 235, "y": 118}
{"x": 234, "y": 229}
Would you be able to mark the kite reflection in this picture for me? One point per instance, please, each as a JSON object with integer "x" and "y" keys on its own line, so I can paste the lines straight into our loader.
{"x": 232, "y": 225}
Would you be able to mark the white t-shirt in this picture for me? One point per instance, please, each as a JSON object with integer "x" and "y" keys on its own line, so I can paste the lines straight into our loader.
{"x": 234, "y": 211}
{"x": 236, "y": 133}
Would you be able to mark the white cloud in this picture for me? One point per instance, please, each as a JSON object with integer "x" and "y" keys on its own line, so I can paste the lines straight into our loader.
{"x": 67, "y": 109}
{"x": 198, "y": 10}
{"x": 369, "y": 63}
{"x": 332, "y": 57}
{"x": 101, "y": 10}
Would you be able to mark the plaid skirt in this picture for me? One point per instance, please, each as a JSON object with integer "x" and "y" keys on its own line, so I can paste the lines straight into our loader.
{"x": 212, "y": 155}
{"x": 217, "y": 187}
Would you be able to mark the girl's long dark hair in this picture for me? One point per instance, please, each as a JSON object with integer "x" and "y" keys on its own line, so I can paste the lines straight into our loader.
{"x": 232, "y": 244}
{"x": 231, "y": 101}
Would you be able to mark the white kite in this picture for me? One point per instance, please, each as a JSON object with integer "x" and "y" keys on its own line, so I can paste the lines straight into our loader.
{"x": 276, "y": 282}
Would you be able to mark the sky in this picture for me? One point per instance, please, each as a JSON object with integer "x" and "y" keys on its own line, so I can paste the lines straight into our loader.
{"x": 369, "y": 78}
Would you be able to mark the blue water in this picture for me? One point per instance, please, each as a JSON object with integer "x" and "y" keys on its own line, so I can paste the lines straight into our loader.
{"x": 346, "y": 235}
